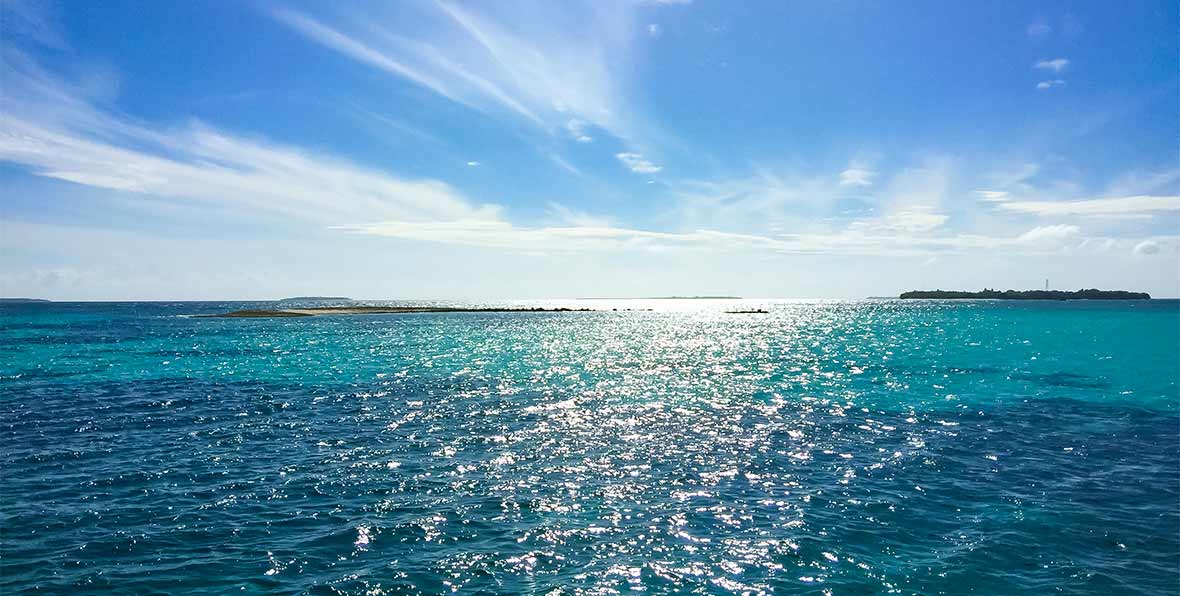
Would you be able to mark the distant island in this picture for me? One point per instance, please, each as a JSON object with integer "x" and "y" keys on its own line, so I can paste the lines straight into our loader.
{"x": 254, "y": 313}
{"x": 988, "y": 294}
{"x": 23, "y": 301}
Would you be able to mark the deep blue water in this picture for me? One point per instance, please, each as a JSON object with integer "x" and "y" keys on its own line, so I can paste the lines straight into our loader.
{"x": 873, "y": 447}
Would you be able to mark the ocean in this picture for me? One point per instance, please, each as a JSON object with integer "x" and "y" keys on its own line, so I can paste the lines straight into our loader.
{"x": 826, "y": 447}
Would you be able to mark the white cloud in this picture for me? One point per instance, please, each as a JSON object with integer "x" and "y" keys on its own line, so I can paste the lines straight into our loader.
{"x": 637, "y": 163}
{"x": 905, "y": 222}
{"x": 360, "y": 51}
{"x": 1143, "y": 205}
{"x": 753, "y": 202}
{"x": 992, "y": 196}
{"x": 474, "y": 164}
{"x": 53, "y": 133}
{"x": 1051, "y": 236}
{"x": 812, "y": 201}
{"x": 1147, "y": 247}
{"x": 213, "y": 167}
{"x": 519, "y": 60}
{"x": 597, "y": 236}
{"x": 1055, "y": 65}
{"x": 654, "y": 30}
{"x": 1049, "y": 84}
{"x": 857, "y": 176}
{"x": 577, "y": 129}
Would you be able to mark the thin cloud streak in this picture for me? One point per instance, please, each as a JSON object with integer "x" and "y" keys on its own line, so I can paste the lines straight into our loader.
{"x": 56, "y": 134}
{"x": 535, "y": 69}
{"x": 1143, "y": 205}
{"x": 214, "y": 167}
{"x": 333, "y": 39}
{"x": 593, "y": 236}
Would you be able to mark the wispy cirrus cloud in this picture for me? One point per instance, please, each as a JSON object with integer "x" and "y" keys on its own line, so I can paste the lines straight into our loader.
{"x": 1135, "y": 206}
{"x": 366, "y": 53}
{"x": 54, "y": 131}
{"x": 856, "y": 240}
{"x": 33, "y": 21}
{"x": 779, "y": 198}
{"x": 216, "y": 168}
{"x": 525, "y": 61}
{"x": 1049, "y": 84}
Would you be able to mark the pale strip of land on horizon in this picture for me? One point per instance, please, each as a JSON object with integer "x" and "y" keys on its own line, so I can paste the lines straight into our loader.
{"x": 374, "y": 310}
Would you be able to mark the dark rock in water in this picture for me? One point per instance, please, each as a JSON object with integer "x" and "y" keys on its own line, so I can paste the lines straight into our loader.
{"x": 989, "y": 294}
{"x": 754, "y": 311}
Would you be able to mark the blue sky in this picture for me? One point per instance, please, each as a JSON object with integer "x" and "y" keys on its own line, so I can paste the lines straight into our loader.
{"x": 446, "y": 149}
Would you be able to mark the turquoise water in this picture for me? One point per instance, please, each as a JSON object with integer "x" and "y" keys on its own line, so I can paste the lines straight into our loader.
{"x": 872, "y": 447}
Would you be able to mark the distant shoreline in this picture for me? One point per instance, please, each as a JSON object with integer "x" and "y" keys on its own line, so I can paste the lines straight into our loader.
{"x": 252, "y": 313}
{"x": 988, "y": 294}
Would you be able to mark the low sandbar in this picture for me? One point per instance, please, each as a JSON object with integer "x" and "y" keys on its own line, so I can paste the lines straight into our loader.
{"x": 254, "y": 313}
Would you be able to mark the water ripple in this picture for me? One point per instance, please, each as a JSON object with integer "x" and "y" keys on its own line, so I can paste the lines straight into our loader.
{"x": 827, "y": 448}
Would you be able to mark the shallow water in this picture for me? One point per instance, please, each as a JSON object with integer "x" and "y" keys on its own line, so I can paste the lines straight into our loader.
{"x": 825, "y": 448}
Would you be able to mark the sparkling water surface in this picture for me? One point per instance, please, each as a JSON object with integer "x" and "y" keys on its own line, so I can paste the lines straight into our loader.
{"x": 866, "y": 447}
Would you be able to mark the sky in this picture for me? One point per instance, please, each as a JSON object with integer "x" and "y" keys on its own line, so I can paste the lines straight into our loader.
{"x": 445, "y": 149}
